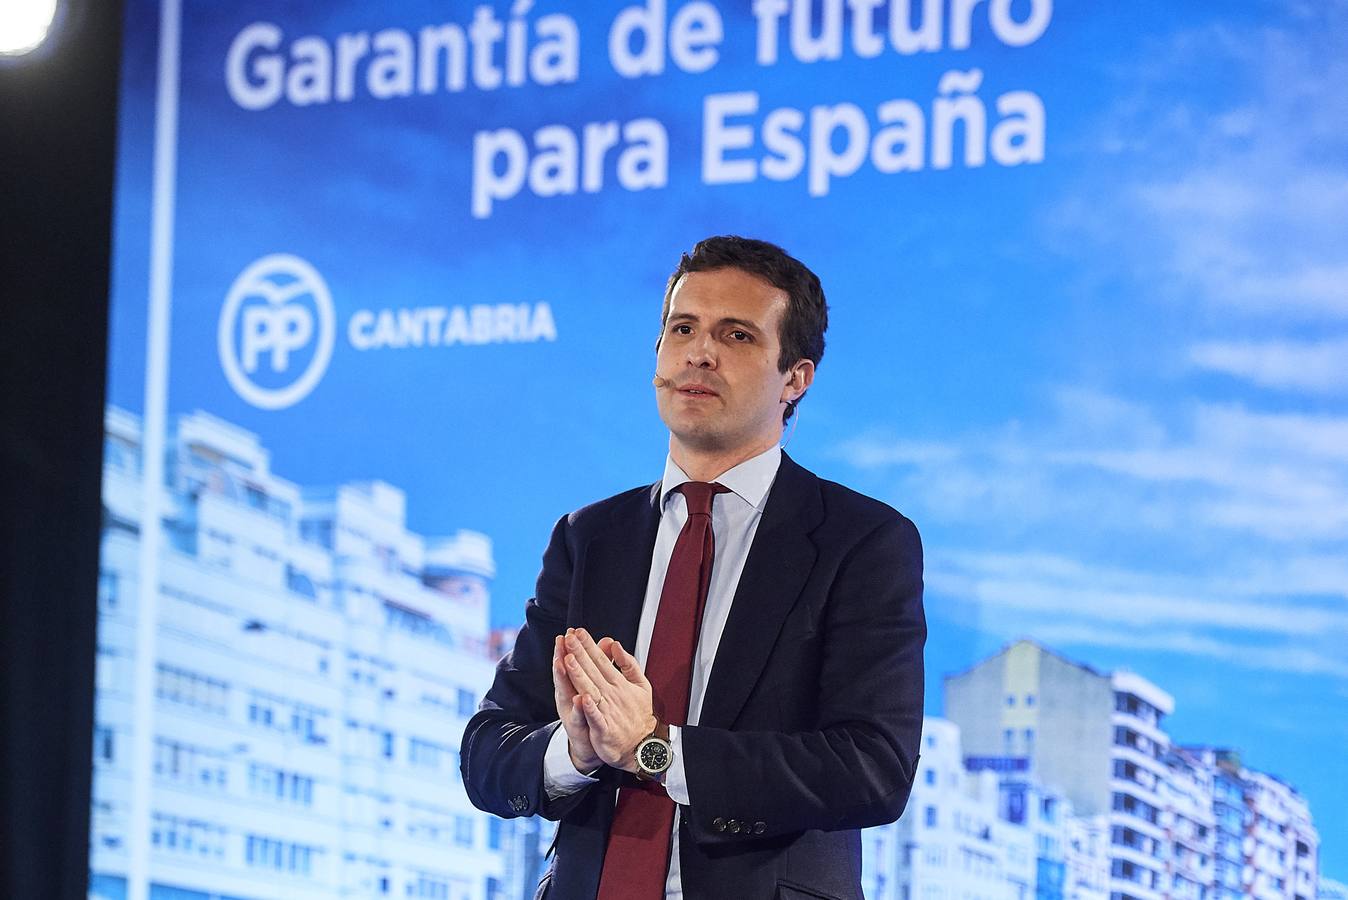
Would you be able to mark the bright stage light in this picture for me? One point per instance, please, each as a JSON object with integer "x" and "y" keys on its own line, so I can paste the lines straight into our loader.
{"x": 24, "y": 25}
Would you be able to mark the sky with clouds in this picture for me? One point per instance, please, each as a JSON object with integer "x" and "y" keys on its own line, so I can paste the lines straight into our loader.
{"x": 1181, "y": 505}
{"x": 1110, "y": 388}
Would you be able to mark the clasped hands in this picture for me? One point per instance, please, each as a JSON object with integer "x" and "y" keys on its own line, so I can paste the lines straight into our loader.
{"x": 603, "y": 700}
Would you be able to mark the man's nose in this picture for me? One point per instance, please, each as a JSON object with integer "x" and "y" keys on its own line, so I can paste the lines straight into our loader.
{"x": 702, "y": 352}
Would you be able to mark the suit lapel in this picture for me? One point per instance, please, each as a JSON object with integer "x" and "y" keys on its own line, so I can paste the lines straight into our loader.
{"x": 617, "y": 565}
{"x": 779, "y": 562}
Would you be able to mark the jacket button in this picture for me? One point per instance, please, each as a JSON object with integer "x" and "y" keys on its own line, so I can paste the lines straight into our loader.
{"x": 718, "y": 823}
{"x": 760, "y": 827}
{"x": 733, "y": 825}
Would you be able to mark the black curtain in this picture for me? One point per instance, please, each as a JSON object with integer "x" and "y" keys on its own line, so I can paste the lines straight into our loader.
{"x": 57, "y": 137}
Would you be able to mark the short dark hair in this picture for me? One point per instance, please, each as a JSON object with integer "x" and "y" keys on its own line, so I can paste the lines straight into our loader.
{"x": 802, "y": 329}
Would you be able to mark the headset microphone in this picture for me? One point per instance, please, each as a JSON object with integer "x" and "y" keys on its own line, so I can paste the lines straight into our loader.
{"x": 661, "y": 382}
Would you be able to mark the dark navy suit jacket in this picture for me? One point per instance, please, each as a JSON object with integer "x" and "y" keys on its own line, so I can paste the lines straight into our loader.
{"x": 812, "y": 718}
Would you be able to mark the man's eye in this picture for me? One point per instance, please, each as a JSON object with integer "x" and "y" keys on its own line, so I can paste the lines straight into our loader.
{"x": 740, "y": 336}
{"x": 683, "y": 329}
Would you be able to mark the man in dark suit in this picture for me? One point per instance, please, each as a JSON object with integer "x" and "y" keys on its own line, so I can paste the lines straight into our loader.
{"x": 719, "y": 680}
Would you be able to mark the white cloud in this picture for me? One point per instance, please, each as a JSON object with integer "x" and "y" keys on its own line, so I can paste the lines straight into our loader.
{"x": 1246, "y": 234}
{"x": 1259, "y": 577}
{"x": 1094, "y": 415}
{"x": 1111, "y": 465}
{"x": 1234, "y": 522}
{"x": 1278, "y": 522}
{"x": 1290, "y": 437}
{"x": 869, "y": 454}
{"x": 1284, "y": 658}
{"x": 1319, "y": 367}
{"x": 1108, "y": 597}
{"x": 1239, "y": 206}
{"x": 1063, "y": 601}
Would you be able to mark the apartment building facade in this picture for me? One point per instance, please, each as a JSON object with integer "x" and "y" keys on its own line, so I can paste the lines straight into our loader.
{"x": 314, "y": 663}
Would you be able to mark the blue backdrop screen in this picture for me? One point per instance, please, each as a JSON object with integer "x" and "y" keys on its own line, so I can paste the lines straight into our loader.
{"x": 387, "y": 280}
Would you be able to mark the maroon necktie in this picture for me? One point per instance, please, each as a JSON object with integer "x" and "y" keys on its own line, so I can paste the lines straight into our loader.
{"x": 636, "y": 863}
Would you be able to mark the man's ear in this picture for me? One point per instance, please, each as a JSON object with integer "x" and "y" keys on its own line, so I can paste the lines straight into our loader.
{"x": 802, "y": 376}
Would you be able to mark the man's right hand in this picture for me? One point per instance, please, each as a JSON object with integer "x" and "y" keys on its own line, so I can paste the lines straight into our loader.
{"x": 571, "y": 712}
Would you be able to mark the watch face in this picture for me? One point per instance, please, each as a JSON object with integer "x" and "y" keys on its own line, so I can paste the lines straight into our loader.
{"x": 653, "y": 755}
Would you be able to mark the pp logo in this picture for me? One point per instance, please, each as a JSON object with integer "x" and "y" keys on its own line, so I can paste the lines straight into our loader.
{"x": 269, "y": 319}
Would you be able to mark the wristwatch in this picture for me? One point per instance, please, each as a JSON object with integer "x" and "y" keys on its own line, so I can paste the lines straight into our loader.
{"x": 654, "y": 754}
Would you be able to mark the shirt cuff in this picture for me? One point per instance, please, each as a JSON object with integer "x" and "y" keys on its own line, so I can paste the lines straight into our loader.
{"x": 676, "y": 785}
{"x": 560, "y": 777}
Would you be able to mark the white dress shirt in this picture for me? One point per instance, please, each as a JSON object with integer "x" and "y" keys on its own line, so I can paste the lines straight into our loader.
{"x": 734, "y": 520}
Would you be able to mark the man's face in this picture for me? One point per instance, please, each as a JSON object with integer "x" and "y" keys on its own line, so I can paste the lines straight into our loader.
{"x": 719, "y": 349}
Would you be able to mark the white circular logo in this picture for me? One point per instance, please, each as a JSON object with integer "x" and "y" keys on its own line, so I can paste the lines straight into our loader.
{"x": 281, "y": 325}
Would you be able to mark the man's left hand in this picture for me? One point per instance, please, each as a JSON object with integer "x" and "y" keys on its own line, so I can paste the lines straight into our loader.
{"x": 613, "y": 693}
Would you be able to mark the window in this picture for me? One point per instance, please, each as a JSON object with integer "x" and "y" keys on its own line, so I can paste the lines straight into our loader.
{"x": 108, "y": 590}
{"x": 255, "y": 497}
{"x": 298, "y": 720}
{"x": 187, "y": 837}
{"x": 1029, "y": 699}
{"x": 931, "y": 777}
{"x": 317, "y": 531}
{"x": 185, "y": 764}
{"x": 280, "y": 856}
{"x": 931, "y": 817}
{"x": 1127, "y": 803}
{"x": 300, "y": 583}
{"x": 104, "y": 749}
{"x": 280, "y": 785}
{"x": 117, "y": 454}
{"x": 1015, "y": 805}
{"x": 428, "y": 887}
{"x": 463, "y": 831}
{"x": 192, "y": 689}
{"x": 427, "y": 754}
{"x": 415, "y": 623}
{"x": 494, "y": 833}
{"x": 367, "y": 740}
{"x": 1010, "y": 699}
{"x": 1126, "y": 737}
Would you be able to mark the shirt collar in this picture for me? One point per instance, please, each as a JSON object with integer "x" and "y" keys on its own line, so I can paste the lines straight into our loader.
{"x": 750, "y": 480}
